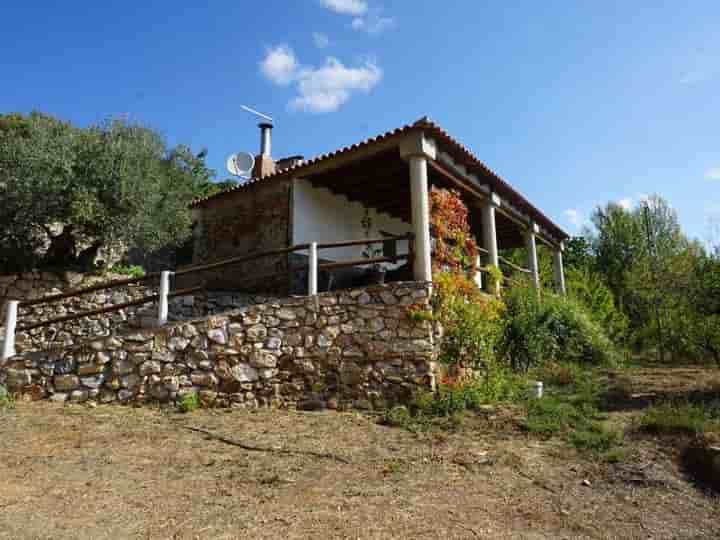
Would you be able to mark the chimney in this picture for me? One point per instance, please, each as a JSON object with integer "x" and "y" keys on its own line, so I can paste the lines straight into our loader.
{"x": 264, "y": 164}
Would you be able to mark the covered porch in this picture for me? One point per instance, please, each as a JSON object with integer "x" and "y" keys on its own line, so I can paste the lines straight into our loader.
{"x": 391, "y": 177}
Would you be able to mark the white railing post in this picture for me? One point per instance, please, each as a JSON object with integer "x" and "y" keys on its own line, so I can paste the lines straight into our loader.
{"x": 8, "y": 349}
{"x": 312, "y": 269}
{"x": 163, "y": 299}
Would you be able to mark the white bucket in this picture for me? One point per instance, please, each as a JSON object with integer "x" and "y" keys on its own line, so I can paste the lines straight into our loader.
{"x": 537, "y": 388}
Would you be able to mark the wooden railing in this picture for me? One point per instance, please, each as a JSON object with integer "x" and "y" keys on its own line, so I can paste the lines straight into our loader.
{"x": 162, "y": 296}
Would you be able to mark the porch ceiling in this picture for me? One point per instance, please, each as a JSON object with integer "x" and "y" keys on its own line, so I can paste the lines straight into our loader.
{"x": 382, "y": 182}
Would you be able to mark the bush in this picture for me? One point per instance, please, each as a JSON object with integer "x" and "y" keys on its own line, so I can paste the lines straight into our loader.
{"x": 471, "y": 320}
{"x": 188, "y": 402}
{"x": 690, "y": 418}
{"x": 6, "y": 400}
{"x": 552, "y": 328}
{"x": 130, "y": 271}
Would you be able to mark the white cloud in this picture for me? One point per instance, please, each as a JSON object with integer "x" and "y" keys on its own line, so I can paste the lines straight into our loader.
{"x": 713, "y": 174}
{"x": 626, "y": 203}
{"x": 326, "y": 88}
{"x": 320, "y": 89}
{"x": 373, "y": 23}
{"x": 280, "y": 65}
{"x": 346, "y": 7}
{"x": 573, "y": 216}
{"x": 321, "y": 40}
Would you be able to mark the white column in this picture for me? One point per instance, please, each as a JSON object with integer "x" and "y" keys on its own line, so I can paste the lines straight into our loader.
{"x": 532, "y": 255}
{"x": 422, "y": 268}
{"x": 489, "y": 233}
{"x": 559, "y": 270}
{"x": 478, "y": 273}
{"x": 312, "y": 269}
{"x": 163, "y": 297}
{"x": 8, "y": 350}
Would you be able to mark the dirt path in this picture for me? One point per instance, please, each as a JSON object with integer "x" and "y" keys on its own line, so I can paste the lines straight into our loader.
{"x": 116, "y": 472}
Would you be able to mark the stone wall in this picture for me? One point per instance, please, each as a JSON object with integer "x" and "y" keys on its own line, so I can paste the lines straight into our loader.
{"x": 31, "y": 285}
{"x": 253, "y": 218}
{"x": 356, "y": 348}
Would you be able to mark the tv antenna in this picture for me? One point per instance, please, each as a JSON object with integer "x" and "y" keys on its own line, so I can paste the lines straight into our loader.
{"x": 257, "y": 113}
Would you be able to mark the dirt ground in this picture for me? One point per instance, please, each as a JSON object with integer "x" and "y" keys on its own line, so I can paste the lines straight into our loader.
{"x": 121, "y": 472}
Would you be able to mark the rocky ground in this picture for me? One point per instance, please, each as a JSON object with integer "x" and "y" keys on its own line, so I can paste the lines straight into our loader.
{"x": 73, "y": 471}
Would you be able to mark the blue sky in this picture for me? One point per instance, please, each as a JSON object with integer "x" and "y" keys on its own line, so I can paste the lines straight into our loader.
{"x": 574, "y": 102}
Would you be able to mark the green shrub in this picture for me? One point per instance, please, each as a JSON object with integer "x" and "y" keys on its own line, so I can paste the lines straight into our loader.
{"x": 594, "y": 437}
{"x": 550, "y": 328}
{"x": 6, "y": 399}
{"x": 188, "y": 402}
{"x": 470, "y": 318}
{"x": 690, "y": 418}
{"x": 130, "y": 271}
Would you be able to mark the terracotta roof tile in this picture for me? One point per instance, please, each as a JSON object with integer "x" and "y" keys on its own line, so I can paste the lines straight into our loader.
{"x": 501, "y": 186}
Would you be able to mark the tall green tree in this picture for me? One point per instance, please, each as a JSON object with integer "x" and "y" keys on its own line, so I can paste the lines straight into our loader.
{"x": 68, "y": 191}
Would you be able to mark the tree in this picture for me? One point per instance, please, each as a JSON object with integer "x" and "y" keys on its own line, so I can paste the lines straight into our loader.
{"x": 68, "y": 191}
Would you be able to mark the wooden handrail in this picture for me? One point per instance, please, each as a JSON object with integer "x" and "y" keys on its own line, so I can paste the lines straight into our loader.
{"x": 109, "y": 309}
{"x": 362, "y": 262}
{"x": 244, "y": 258}
{"x": 329, "y": 245}
{"x": 514, "y": 266}
{"x": 85, "y": 290}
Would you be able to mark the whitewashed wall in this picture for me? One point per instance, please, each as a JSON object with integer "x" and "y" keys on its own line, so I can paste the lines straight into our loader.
{"x": 320, "y": 216}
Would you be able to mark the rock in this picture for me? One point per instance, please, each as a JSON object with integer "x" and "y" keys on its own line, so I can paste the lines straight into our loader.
{"x": 122, "y": 367}
{"x": 149, "y": 367}
{"x": 93, "y": 382}
{"x": 60, "y": 397}
{"x": 262, "y": 359}
{"x": 256, "y": 333}
{"x": 177, "y": 343}
{"x": 78, "y": 396}
{"x": 66, "y": 382}
{"x": 311, "y": 405}
{"x": 203, "y": 378}
{"x": 286, "y": 314}
{"x": 217, "y": 335}
{"x": 244, "y": 373}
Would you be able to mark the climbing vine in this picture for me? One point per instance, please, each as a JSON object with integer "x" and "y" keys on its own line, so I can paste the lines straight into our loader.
{"x": 455, "y": 247}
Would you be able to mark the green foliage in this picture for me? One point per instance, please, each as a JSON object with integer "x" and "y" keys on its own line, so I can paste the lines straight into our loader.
{"x": 690, "y": 418}
{"x": 471, "y": 320}
{"x": 130, "y": 271}
{"x": 6, "y": 399}
{"x": 188, "y": 402}
{"x": 550, "y": 328}
{"x": 63, "y": 187}
{"x": 589, "y": 288}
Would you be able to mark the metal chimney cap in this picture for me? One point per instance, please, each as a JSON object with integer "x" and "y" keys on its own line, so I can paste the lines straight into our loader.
{"x": 265, "y": 125}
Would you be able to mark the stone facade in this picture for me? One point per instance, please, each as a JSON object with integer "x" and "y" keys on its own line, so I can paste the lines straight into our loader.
{"x": 355, "y": 348}
{"x": 254, "y": 218}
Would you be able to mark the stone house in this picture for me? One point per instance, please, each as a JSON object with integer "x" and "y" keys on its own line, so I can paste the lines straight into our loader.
{"x": 373, "y": 188}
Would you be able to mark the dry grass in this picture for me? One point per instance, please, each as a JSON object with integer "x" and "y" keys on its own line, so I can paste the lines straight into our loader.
{"x": 120, "y": 472}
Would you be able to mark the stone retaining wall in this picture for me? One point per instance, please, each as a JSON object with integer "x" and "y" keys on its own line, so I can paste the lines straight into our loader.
{"x": 356, "y": 348}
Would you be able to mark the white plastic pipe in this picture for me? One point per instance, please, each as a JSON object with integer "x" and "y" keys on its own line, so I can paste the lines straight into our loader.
{"x": 163, "y": 299}
{"x": 478, "y": 273}
{"x": 8, "y": 349}
{"x": 312, "y": 269}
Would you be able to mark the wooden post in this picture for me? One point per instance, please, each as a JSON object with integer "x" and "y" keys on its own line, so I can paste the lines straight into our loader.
{"x": 8, "y": 350}
{"x": 163, "y": 297}
{"x": 312, "y": 269}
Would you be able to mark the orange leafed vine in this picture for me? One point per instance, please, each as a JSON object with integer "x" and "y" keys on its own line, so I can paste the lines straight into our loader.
{"x": 455, "y": 246}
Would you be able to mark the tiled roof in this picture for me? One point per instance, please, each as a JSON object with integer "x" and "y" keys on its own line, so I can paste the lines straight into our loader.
{"x": 502, "y": 187}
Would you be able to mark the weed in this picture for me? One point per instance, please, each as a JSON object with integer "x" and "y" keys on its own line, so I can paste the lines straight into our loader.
{"x": 188, "y": 402}
{"x": 690, "y": 418}
{"x": 6, "y": 399}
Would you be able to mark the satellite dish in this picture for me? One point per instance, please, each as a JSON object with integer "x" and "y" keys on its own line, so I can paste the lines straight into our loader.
{"x": 240, "y": 164}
